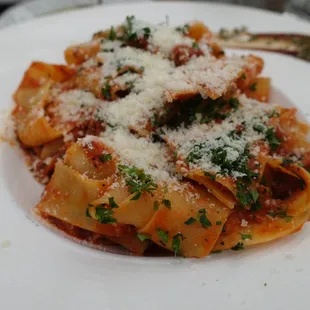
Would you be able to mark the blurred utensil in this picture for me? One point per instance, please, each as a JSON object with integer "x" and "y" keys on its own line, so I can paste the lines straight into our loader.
{"x": 297, "y": 45}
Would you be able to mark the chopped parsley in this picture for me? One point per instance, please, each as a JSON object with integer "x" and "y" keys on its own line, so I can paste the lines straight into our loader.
{"x": 112, "y": 34}
{"x": 217, "y": 109}
{"x": 217, "y": 252}
{"x": 239, "y": 246}
{"x": 142, "y": 237}
{"x": 112, "y": 203}
{"x": 218, "y": 223}
{"x": 243, "y": 76}
{"x": 137, "y": 180}
{"x": 183, "y": 29}
{"x": 106, "y": 91}
{"x": 234, "y": 103}
{"x": 211, "y": 176}
{"x": 105, "y": 158}
{"x": 163, "y": 236}
{"x": 247, "y": 197}
{"x": 274, "y": 113}
{"x": 286, "y": 162}
{"x": 167, "y": 203}
{"x": 147, "y": 32}
{"x": 190, "y": 221}
{"x": 195, "y": 45}
{"x": 245, "y": 237}
{"x": 176, "y": 242}
{"x": 253, "y": 87}
{"x": 129, "y": 35}
{"x": 280, "y": 214}
{"x": 270, "y": 136}
{"x": 259, "y": 127}
{"x": 102, "y": 214}
{"x": 156, "y": 205}
{"x": 202, "y": 218}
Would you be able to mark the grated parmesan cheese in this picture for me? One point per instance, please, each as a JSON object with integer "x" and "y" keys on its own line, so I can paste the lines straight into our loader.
{"x": 153, "y": 158}
{"x": 202, "y": 138}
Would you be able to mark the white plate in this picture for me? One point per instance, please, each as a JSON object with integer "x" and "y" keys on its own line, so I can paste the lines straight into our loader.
{"x": 41, "y": 270}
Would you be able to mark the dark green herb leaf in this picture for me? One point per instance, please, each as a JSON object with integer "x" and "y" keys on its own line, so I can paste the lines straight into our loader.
{"x": 103, "y": 215}
{"x": 256, "y": 206}
{"x": 274, "y": 113}
{"x": 106, "y": 157}
{"x": 245, "y": 237}
{"x": 112, "y": 203}
{"x": 254, "y": 195}
{"x": 183, "y": 29}
{"x": 259, "y": 128}
{"x": 243, "y": 76}
{"x": 112, "y": 34}
{"x": 195, "y": 44}
{"x": 142, "y": 237}
{"x": 137, "y": 180}
{"x": 106, "y": 91}
{"x": 239, "y": 246}
{"x": 167, "y": 203}
{"x": 202, "y": 217}
{"x": 234, "y": 103}
{"x": 217, "y": 252}
{"x": 273, "y": 141}
{"x": 211, "y": 176}
{"x": 147, "y": 32}
{"x": 190, "y": 221}
{"x": 156, "y": 205}
{"x": 176, "y": 242}
{"x": 286, "y": 162}
{"x": 162, "y": 235}
{"x": 218, "y": 223}
{"x": 253, "y": 87}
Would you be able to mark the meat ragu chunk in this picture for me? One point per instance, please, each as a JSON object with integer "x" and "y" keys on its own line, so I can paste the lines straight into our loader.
{"x": 182, "y": 53}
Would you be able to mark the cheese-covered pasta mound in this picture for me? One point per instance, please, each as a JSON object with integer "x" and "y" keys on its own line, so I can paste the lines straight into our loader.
{"x": 151, "y": 137}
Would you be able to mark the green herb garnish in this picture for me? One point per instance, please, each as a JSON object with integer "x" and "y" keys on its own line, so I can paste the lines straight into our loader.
{"x": 167, "y": 203}
{"x": 112, "y": 34}
{"x": 245, "y": 237}
{"x": 253, "y": 87}
{"x": 286, "y": 162}
{"x": 106, "y": 91}
{"x": 143, "y": 237}
{"x": 112, "y": 203}
{"x": 274, "y": 113}
{"x": 239, "y": 246}
{"x": 217, "y": 252}
{"x": 195, "y": 45}
{"x": 211, "y": 176}
{"x": 176, "y": 242}
{"x": 156, "y": 205}
{"x": 259, "y": 127}
{"x": 163, "y": 236}
{"x": 103, "y": 215}
{"x": 105, "y": 158}
{"x": 270, "y": 136}
{"x": 190, "y": 221}
{"x": 218, "y": 223}
{"x": 183, "y": 29}
{"x": 137, "y": 180}
{"x": 147, "y": 32}
{"x": 202, "y": 218}
{"x": 243, "y": 76}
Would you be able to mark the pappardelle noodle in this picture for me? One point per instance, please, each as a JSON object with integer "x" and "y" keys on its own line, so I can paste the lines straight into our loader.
{"x": 151, "y": 137}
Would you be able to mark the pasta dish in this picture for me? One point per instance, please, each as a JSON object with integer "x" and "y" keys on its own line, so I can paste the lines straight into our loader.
{"x": 152, "y": 138}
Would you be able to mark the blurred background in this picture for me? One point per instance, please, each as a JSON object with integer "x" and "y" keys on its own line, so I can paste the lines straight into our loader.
{"x": 15, "y": 11}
